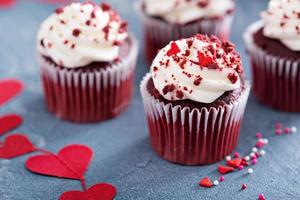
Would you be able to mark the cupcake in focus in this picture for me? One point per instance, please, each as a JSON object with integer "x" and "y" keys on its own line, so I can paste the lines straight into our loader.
{"x": 87, "y": 61}
{"x": 194, "y": 97}
{"x": 273, "y": 44}
{"x": 168, "y": 20}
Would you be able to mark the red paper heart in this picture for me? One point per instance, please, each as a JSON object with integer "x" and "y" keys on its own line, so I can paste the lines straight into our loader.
{"x": 206, "y": 182}
{"x": 15, "y": 145}
{"x": 7, "y": 3}
{"x": 71, "y": 162}
{"x": 224, "y": 169}
{"x": 9, "y": 89}
{"x": 234, "y": 162}
{"x": 101, "y": 191}
{"x": 9, "y": 122}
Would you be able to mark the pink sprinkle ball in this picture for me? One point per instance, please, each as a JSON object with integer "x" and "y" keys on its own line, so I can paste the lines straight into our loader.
{"x": 261, "y": 197}
{"x": 286, "y": 130}
{"x": 236, "y": 155}
{"x": 222, "y": 178}
{"x": 241, "y": 167}
{"x": 278, "y": 125}
{"x": 254, "y": 161}
{"x": 258, "y": 135}
{"x": 278, "y": 131}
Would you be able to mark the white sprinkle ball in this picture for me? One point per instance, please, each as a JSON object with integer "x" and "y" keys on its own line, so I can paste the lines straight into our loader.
{"x": 247, "y": 158}
{"x": 216, "y": 182}
{"x": 293, "y": 129}
{"x": 254, "y": 149}
{"x": 228, "y": 158}
{"x": 262, "y": 152}
{"x": 250, "y": 171}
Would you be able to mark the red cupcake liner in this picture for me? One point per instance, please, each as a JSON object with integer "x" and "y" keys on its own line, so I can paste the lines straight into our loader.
{"x": 276, "y": 80}
{"x": 92, "y": 95}
{"x": 193, "y": 137}
{"x": 158, "y": 33}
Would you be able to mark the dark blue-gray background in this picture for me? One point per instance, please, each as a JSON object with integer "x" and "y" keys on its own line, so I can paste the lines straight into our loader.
{"x": 123, "y": 155}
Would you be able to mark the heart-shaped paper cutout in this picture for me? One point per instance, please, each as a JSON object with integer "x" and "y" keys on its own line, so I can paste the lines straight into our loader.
{"x": 234, "y": 162}
{"x": 224, "y": 169}
{"x": 6, "y": 3}
{"x": 101, "y": 191}
{"x": 71, "y": 162}
{"x": 15, "y": 145}
{"x": 9, "y": 89}
{"x": 9, "y": 122}
{"x": 206, "y": 182}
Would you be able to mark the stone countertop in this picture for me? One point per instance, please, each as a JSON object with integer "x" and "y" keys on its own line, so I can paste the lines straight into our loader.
{"x": 123, "y": 155}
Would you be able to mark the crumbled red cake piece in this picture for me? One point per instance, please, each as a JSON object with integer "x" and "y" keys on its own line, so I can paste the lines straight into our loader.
{"x": 173, "y": 50}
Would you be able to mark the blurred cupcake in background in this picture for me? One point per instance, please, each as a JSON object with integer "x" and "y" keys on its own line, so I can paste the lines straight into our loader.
{"x": 273, "y": 44}
{"x": 87, "y": 61}
{"x": 167, "y": 20}
{"x": 194, "y": 98}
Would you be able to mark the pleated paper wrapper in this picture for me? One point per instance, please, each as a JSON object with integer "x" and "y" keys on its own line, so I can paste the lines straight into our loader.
{"x": 91, "y": 95}
{"x": 193, "y": 137}
{"x": 276, "y": 80}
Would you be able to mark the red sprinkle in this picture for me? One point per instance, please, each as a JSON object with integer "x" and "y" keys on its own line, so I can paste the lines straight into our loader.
{"x": 174, "y": 49}
{"x": 234, "y": 162}
{"x": 225, "y": 169}
{"x": 206, "y": 182}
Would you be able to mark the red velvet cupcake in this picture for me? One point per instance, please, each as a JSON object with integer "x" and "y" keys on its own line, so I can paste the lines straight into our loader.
{"x": 164, "y": 21}
{"x": 194, "y": 98}
{"x": 274, "y": 48}
{"x": 87, "y": 61}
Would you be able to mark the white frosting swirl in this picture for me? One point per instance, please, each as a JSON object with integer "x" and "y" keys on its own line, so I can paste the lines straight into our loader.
{"x": 82, "y": 33}
{"x": 184, "y": 11}
{"x": 282, "y": 22}
{"x": 199, "y": 68}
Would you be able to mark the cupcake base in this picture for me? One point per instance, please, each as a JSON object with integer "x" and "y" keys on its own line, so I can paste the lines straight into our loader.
{"x": 158, "y": 33}
{"x": 89, "y": 95}
{"x": 193, "y": 136}
{"x": 275, "y": 78}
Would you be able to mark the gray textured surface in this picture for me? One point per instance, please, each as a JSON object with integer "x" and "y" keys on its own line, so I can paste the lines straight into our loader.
{"x": 123, "y": 155}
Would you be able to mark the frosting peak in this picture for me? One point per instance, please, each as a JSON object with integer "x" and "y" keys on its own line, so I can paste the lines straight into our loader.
{"x": 184, "y": 11}
{"x": 198, "y": 68}
{"x": 82, "y": 33}
{"x": 282, "y": 22}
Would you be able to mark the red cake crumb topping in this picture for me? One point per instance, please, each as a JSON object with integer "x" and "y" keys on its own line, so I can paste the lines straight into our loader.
{"x": 105, "y": 7}
{"x": 173, "y": 50}
{"x": 197, "y": 80}
{"x": 203, "y": 3}
{"x": 76, "y": 32}
{"x": 207, "y": 53}
{"x": 169, "y": 88}
{"x": 233, "y": 78}
{"x": 59, "y": 10}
